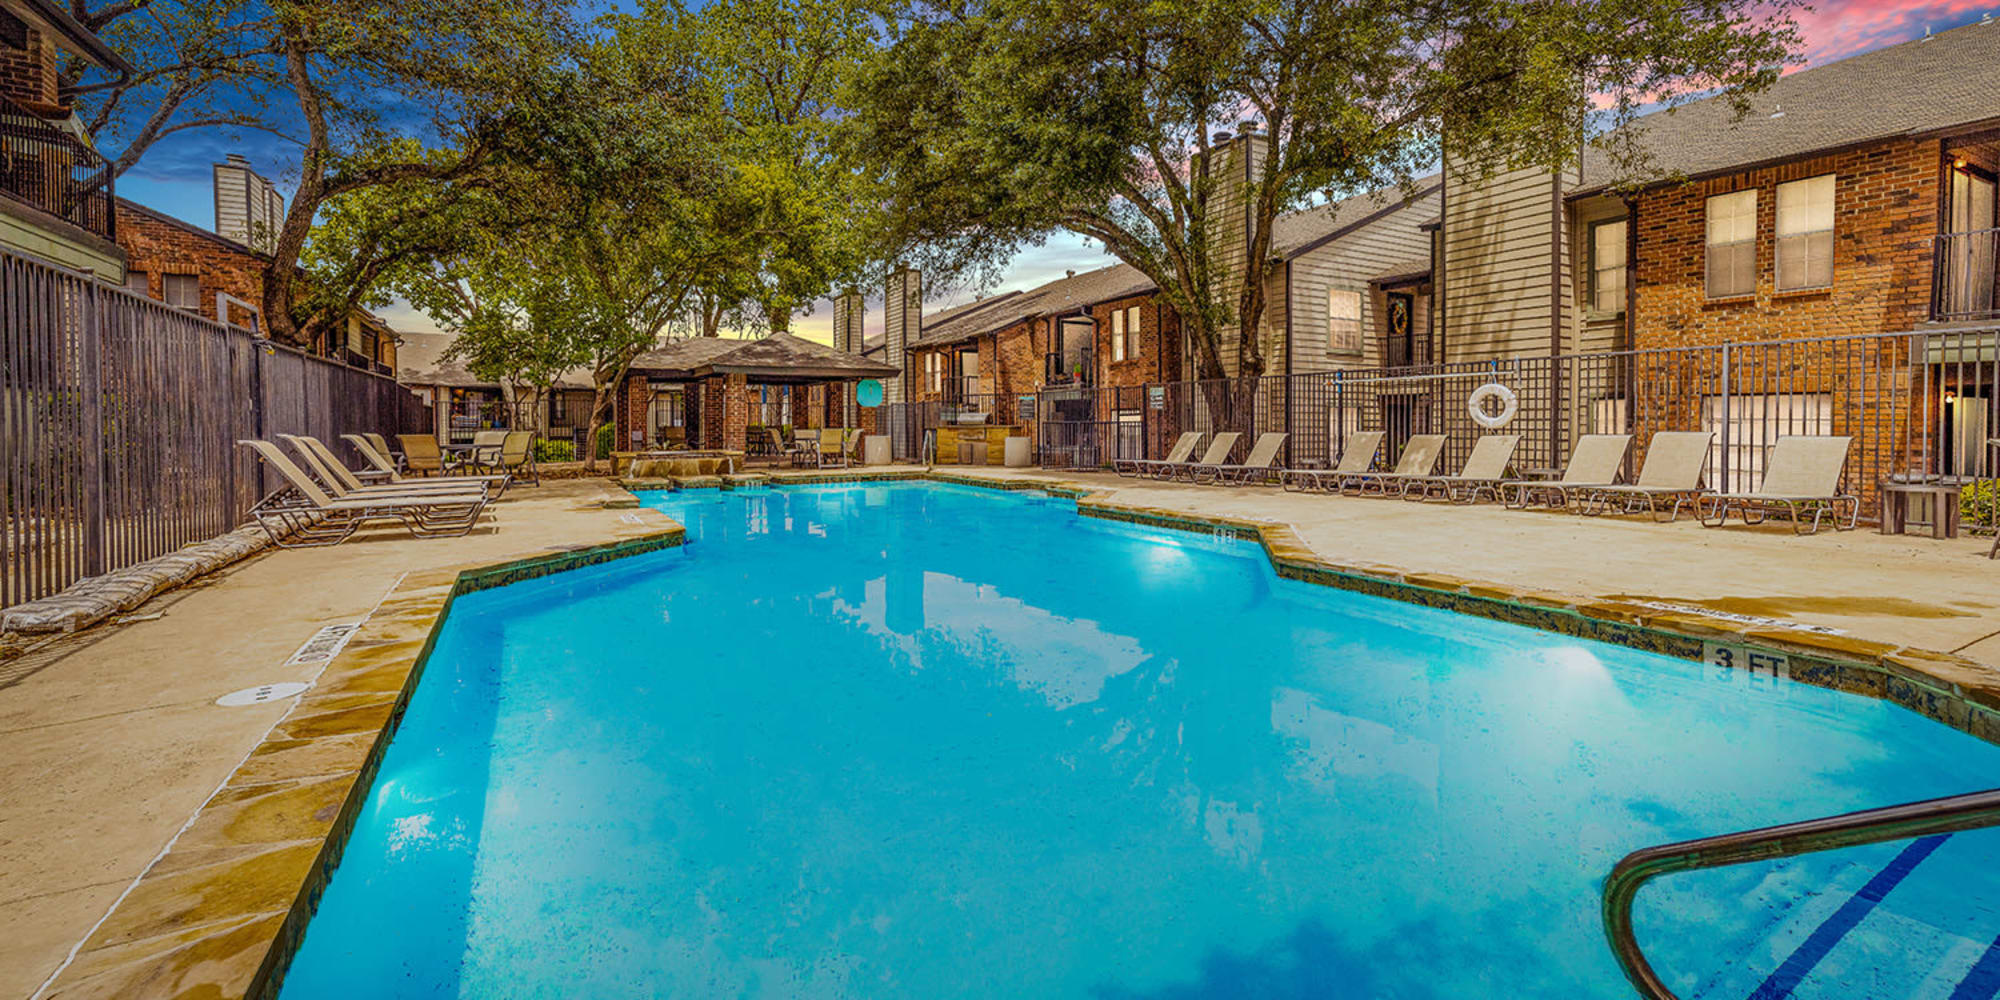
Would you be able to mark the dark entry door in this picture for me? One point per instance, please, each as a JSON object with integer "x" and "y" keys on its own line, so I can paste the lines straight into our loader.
{"x": 1400, "y": 347}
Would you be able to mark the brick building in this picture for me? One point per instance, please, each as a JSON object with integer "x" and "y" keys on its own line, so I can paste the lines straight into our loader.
{"x": 708, "y": 392}
{"x": 55, "y": 189}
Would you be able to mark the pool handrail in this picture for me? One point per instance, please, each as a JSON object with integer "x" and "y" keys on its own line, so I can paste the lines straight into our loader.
{"x": 1951, "y": 814}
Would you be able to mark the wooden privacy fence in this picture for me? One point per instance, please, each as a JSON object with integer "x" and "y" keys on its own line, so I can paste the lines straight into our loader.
{"x": 119, "y": 417}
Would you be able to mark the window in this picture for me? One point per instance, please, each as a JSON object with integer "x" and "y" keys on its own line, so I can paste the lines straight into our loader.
{"x": 1118, "y": 335}
{"x": 1732, "y": 244}
{"x": 558, "y": 408}
{"x": 934, "y": 372}
{"x": 182, "y": 290}
{"x": 135, "y": 282}
{"x": 1607, "y": 266}
{"x": 1754, "y": 423}
{"x": 1805, "y": 233}
{"x": 1343, "y": 321}
{"x": 1132, "y": 331}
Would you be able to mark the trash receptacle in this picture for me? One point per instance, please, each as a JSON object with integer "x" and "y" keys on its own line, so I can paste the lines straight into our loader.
{"x": 1016, "y": 453}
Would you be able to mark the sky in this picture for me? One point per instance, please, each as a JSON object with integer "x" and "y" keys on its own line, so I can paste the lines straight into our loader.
{"x": 174, "y": 177}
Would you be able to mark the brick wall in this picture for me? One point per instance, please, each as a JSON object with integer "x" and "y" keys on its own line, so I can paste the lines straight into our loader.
{"x": 1157, "y": 360}
{"x": 29, "y": 75}
{"x": 629, "y": 411}
{"x": 159, "y": 248}
{"x": 1885, "y": 212}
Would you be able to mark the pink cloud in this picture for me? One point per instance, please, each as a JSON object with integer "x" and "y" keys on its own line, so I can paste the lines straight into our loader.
{"x": 1835, "y": 29}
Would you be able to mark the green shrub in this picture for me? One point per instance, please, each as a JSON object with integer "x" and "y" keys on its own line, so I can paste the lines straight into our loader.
{"x": 1979, "y": 503}
{"x": 554, "y": 451}
{"x": 605, "y": 436}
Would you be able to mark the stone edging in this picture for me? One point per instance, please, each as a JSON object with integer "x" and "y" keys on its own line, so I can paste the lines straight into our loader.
{"x": 223, "y": 910}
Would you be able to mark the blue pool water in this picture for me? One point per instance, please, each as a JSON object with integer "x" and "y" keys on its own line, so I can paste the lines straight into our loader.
{"x": 924, "y": 741}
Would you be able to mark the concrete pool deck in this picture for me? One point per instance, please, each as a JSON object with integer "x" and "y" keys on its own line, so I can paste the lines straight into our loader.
{"x": 116, "y": 733}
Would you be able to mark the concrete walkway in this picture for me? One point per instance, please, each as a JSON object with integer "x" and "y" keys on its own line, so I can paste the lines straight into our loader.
{"x": 1902, "y": 590}
{"x": 111, "y": 739}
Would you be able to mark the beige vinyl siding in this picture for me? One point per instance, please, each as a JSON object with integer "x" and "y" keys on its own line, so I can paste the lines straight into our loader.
{"x": 1596, "y": 331}
{"x": 1230, "y": 219}
{"x": 1500, "y": 253}
{"x": 1348, "y": 263}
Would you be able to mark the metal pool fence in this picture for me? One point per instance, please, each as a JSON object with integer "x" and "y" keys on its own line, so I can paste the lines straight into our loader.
{"x": 1920, "y": 406}
{"x": 119, "y": 417}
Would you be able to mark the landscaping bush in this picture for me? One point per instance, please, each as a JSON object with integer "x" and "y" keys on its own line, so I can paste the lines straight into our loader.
{"x": 1977, "y": 503}
{"x": 554, "y": 451}
{"x": 604, "y": 439}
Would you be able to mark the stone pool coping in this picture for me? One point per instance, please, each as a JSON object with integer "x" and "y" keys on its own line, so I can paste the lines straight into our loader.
{"x": 222, "y": 911}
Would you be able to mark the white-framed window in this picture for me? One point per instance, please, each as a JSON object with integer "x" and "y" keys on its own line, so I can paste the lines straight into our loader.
{"x": 1343, "y": 321}
{"x": 135, "y": 282}
{"x": 1805, "y": 233}
{"x": 181, "y": 290}
{"x": 1117, "y": 334}
{"x": 934, "y": 372}
{"x": 1607, "y": 266}
{"x": 1131, "y": 331}
{"x": 1732, "y": 244}
{"x": 1754, "y": 423}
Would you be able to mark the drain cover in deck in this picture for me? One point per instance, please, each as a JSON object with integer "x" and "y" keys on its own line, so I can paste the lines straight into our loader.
{"x": 261, "y": 694}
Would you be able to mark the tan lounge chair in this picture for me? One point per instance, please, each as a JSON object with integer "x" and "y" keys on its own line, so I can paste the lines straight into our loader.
{"x": 1260, "y": 466}
{"x": 1217, "y": 453}
{"x": 301, "y": 515}
{"x": 381, "y": 445}
{"x": 1672, "y": 471}
{"x": 1485, "y": 469}
{"x": 1358, "y": 457}
{"x": 1183, "y": 447}
{"x": 1593, "y": 464}
{"x": 1802, "y": 473}
{"x": 1418, "y": 461}
{"x": 341, "y": 484}
{"x": 496, "y": 485}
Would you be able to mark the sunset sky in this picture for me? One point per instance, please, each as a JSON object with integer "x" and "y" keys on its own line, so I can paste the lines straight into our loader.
{"x": 175, "y": 177}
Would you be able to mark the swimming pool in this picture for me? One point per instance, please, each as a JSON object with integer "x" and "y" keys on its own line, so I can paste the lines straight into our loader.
{"x": 917, "y": 740}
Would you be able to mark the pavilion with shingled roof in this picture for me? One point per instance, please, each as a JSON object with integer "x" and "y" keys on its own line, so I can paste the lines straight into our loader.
{"x": 707, "y": 392}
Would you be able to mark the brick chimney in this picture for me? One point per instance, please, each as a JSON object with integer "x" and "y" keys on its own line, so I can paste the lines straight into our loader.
{"x": 248, "y": 207}
{"x": 848, "y": 314}
{"x": 903, "y": 323}
{"x": 1239, "y": 162}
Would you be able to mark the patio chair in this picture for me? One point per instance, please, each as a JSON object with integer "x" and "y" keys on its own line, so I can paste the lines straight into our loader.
{"x": 805, "y": 447}
{"x": 1418, "y": 461}
{"x": 1485, "y": 469}
{"x": 1183, "y": 447}
{"x": 773, "y": 447}
{"x": 1593, "y": 464}
{"x": 496, "y": 485}
{"x": 1356, "y": 458}
{"x": 1671, "y": 471}
{"x": 422, "y": 455}
{"x": 1802, "y": 473}
{"x": 341, "y": 484}
{"x": 517, "y": 453}
{"x": 1216, "y": 454}
{"x": 833, "y": 447}
{"x": 1260, "y": 466}
{"x": 301, "y": 515}
{"x": 486, "y": 446}
{"x": 381, "y": 446}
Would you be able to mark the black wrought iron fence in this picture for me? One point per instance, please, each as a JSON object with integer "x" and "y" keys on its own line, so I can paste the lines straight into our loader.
{"x": 1088, "y": 427}
{"x": 119, "y": 418}
{"x": 53, "y": 170}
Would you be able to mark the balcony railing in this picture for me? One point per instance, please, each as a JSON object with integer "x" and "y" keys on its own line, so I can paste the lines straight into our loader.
{"x": 54, "y": 171}
{"x": 1964, "y": 268}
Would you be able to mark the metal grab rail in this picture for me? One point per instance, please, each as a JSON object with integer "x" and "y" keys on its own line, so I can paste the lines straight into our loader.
{"x": 1951, "y": 814}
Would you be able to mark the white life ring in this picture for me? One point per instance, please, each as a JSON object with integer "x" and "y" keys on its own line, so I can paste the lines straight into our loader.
{"x": 1475, "y": 405}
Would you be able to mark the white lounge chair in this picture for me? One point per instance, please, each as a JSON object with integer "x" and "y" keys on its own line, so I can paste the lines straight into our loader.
{"x": 301, "y": 515}
{"x": 1593, "y": 464}
{"x": 1357, "y": 458}
{"x": 1183, "y": 447}
{"x": 1672, "y": 470}
{"x": 1485, "y": 469}
{"x": 1418, "y": 461}
{"x": 1802, "y": 473}
{"x": 1260, "y": 466}
{"x": 1217, "y": 453}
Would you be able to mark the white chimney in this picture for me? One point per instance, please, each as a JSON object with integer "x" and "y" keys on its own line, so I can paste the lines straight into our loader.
{"x": 248, "y": 207}
{"x": 903, "y": 322}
